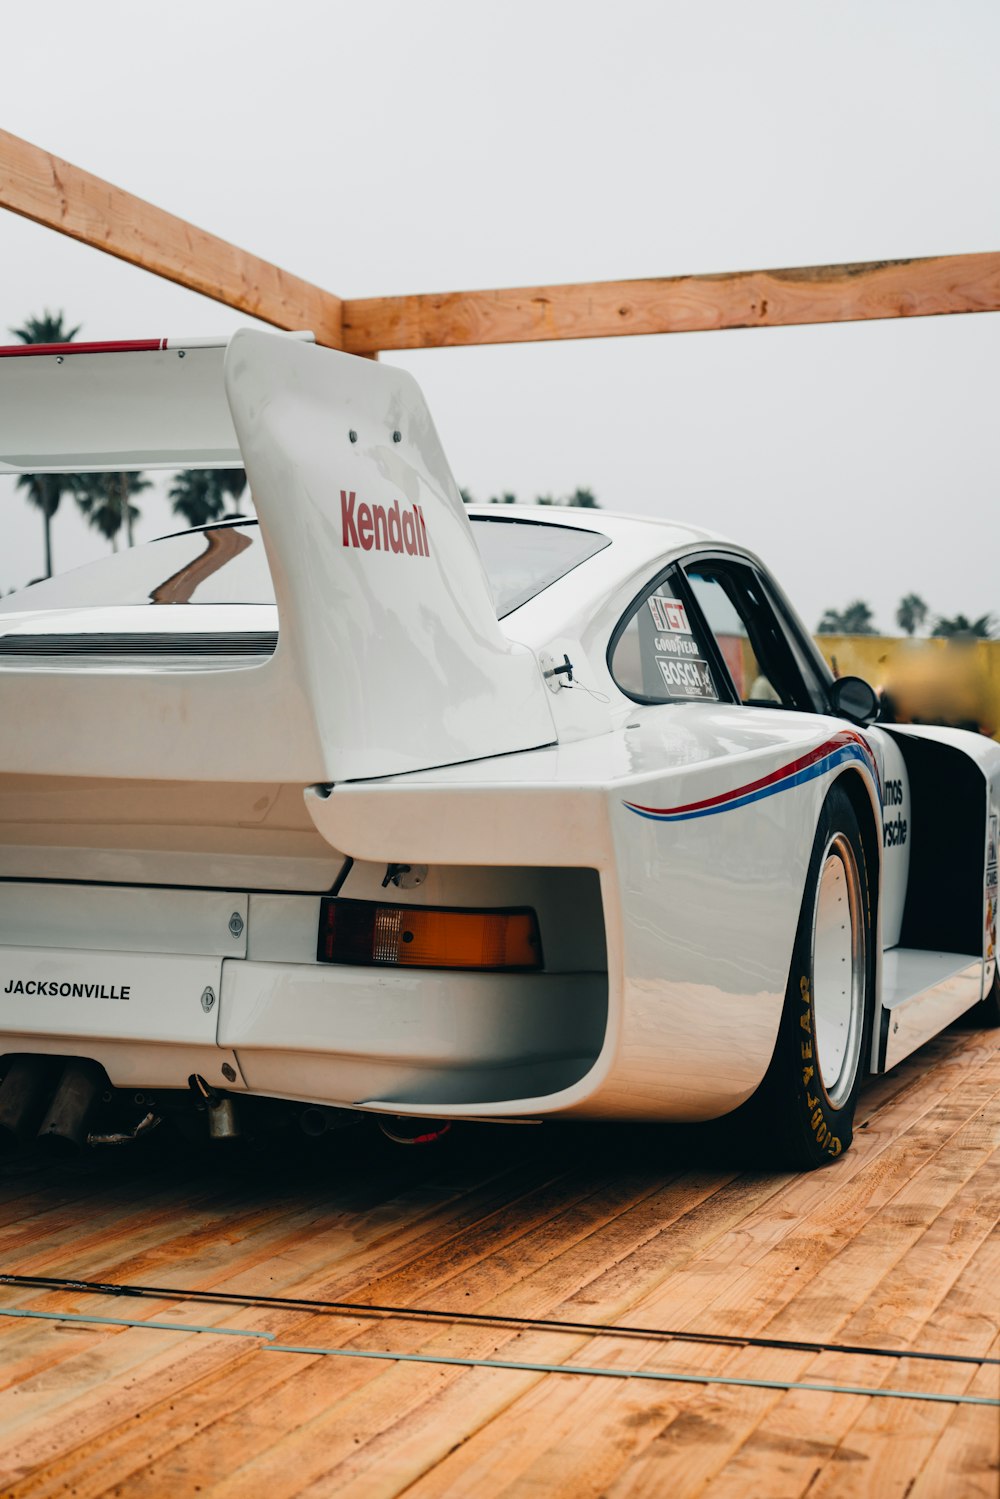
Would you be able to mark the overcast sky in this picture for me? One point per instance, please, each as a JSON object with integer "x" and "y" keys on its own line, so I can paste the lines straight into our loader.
{"x": 384, "y": 147}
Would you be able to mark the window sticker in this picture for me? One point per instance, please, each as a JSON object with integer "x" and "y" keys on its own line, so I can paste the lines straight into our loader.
{"x": 659, "y": 655}
{"x": 678, "y": 666}
{"x": 689, "y": 678}
{"x": 675, "y": 645}
{"x": 668, "y": 614}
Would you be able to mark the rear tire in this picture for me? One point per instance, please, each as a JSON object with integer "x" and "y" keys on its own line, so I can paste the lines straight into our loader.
{"x": 802, "y": 1116}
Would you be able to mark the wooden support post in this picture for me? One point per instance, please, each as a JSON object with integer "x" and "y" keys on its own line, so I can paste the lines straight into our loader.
{"x": 63, "y": 197}
{"x": 677, "y": 304}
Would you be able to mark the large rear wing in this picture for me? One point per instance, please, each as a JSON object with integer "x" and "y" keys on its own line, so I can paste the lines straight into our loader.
{"x": 142, "y": 403}
{"x": 389, "y": 654}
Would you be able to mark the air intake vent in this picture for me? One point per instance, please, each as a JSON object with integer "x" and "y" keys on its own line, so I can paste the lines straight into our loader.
{"x": 131, "y": 646}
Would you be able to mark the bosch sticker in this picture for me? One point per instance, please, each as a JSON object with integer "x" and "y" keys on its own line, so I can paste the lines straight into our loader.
{"x": 689, "y": 678}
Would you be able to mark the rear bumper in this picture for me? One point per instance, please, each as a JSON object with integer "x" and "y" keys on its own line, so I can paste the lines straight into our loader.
{"x": 150, "y": 1019}
{"x": 445, "y": 1043}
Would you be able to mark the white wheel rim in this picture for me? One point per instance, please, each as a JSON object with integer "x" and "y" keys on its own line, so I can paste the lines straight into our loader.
{"x": 838, "y": 968}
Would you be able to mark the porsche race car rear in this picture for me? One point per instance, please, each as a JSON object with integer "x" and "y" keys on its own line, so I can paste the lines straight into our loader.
{"x": 166, "y": 907}
{"x": 354, "y": 846}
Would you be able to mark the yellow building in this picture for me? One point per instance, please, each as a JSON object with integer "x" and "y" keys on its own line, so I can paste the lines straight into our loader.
{"x": 954, "y": 681}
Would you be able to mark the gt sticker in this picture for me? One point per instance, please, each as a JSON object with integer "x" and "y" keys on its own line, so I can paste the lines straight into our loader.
{"x": 668, "y": 614}
{"x": 689, "y": 678}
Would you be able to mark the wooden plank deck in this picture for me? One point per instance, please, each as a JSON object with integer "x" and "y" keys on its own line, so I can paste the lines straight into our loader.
{"x": 892, "y": 1247}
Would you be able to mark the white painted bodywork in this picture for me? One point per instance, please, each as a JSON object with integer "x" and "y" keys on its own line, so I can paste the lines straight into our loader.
{"x": 387, "y": 661}
{"x": 398, "y": 721}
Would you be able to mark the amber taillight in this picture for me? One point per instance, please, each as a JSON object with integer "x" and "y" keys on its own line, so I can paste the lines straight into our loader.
{"x": 363, "y": 932}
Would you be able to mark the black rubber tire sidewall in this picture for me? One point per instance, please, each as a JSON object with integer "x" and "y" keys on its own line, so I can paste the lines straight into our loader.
{"x": 806, "y": 1128}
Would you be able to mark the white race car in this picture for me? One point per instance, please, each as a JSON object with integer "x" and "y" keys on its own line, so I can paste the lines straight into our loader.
{"x": 381, "y": 804}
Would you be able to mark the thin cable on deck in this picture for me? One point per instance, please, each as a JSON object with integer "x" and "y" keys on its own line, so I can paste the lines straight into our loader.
{"x": 601, "y": 1371}
{"x": 477, "y": 1319}
{"x": 596, "y": 1371}
{"x": 224, "y": 1332}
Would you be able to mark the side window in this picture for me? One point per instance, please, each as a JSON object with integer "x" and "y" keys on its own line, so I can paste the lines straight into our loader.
{"x": 748, "y": 634}
{"x": 659, "y": 655}
{"x": 815, "y": 675}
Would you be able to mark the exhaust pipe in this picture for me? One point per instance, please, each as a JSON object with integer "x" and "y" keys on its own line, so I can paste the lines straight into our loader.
{"x": 64, "y": 1128}
{"x": 223, "y": 1122}
{"x": 23, "y": 1095}
{"x": 223, "y": 1116}
{"x": 320, "y": 1119}
{"x": 406, "y": 1129}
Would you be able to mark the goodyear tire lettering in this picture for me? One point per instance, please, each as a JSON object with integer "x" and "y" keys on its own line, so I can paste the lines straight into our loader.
{"x": 793, "y": 1117}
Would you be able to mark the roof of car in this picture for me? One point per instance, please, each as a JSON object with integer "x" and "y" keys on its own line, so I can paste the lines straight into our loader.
{"x": 661, "y": 533}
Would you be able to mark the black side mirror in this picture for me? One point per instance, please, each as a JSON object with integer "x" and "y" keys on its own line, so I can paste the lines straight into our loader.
{"x": 853, "y": 698}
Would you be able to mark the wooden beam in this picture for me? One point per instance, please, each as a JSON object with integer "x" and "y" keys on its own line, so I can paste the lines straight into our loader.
{"x": 63, "y": 197}
{"x": 677, "y": 304}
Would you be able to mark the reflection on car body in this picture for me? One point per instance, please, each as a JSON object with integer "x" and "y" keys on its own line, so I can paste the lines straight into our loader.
{"x": 555, "y": 814}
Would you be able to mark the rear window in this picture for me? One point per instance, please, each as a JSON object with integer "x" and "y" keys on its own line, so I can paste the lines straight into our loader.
{"x": 524, "y": 557}
{"x": 227, "y": 565}
{"x": 219, "y": 565}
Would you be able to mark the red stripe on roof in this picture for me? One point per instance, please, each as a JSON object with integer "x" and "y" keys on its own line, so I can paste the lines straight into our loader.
{"x": 113, "y": 346}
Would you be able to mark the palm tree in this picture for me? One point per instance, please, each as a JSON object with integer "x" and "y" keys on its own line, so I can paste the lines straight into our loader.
{"x": 47, "y": 329}
{"x": 231, "y": 481}
{"x": 911, "y": 614}
{"x": 979, "y": 629}
{"x": 583, "y": 499}
{"x": 106, "y": 501}
{"x": 856, "y": 619}
{"x": 202, "y": 495}
{"x": 44, "y": 491}
{"x": 198, "y": 496}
